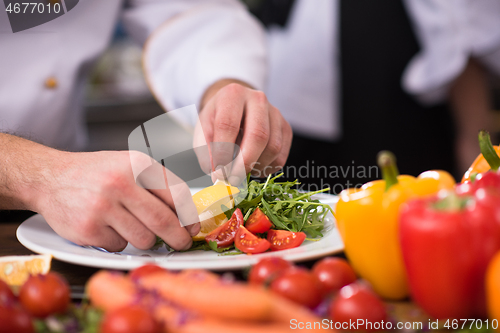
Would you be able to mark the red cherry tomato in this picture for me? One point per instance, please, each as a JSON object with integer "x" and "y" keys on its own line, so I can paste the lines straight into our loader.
{"x": 266, "y": 269}
{"x": 6, "y": 295}
{"x": 282, "y": 239}
{"x": 43, "y": 295}
{"x": 333, "y": 274}
{"x": 258, "y": 222}
{"x": 14, "y": 319}
{"x": 130, "y": 319}
{"x": 224, "y": 234}
{"x": 355, "y": 302}
{"x": 247, "y": 242}
{"x": 145, "y": 270}
{"x": 299, "y": 286}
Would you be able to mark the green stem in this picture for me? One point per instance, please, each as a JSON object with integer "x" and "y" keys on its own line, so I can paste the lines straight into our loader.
{"x": 489, "y": 153}
{"x": 387, "y": 163}
{"x": 267, "y": 181}
{"x": 451, "y": 203}
{"x": 308, "y": 194}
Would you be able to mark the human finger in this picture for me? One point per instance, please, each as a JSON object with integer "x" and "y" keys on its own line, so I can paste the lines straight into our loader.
{"x": 158, "y": 217}
{"x": 229, "y": 104}
{"x": 131, "y": 229}
{"x": 275, "y": 143}
{"x": 286, "y": 145}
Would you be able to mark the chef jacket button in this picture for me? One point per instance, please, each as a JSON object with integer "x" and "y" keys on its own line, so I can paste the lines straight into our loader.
{"x": 51, "y": 83}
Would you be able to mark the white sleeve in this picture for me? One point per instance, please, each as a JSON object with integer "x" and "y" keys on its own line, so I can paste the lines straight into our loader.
{"x": 449, "y": 33}
{"x": 193, "y": 43}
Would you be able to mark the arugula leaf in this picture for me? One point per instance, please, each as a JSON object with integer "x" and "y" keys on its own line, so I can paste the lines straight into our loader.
{"x": 210, "y": 246}
{"x": 213, "y": 247}
{"x": 272, "y": 216}
{"x": 234, "y": 252}
{"x": 286, "y": 207}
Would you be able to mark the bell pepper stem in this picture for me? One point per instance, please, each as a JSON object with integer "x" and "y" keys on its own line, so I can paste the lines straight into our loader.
{"x": 489, "y": 153}
{"x": 387, "y": 163}
{"x": 451, "y": 202}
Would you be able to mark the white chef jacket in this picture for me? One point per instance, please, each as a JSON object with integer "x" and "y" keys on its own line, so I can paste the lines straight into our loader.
{"x": 43, "y": 70}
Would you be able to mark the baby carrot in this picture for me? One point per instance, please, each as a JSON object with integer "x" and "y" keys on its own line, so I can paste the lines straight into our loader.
{"x": 110, "y": 290}
{"x": 227, "y": 300}
{"x": 214, "y": 326}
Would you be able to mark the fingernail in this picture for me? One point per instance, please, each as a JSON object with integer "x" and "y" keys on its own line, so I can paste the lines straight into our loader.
{"x": 195, "y": 229}
{"x": 188, "y": 246}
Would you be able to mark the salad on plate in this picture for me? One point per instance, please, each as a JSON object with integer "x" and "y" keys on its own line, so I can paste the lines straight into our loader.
{"x": 267, "y": 216}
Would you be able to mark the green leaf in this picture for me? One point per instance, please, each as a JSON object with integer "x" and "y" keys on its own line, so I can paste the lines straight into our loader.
{"x": 228, "y": 212}
{"x": 213, "y": 247}
{"x": 233, "y": 252}
{"x": 274, "y": 219}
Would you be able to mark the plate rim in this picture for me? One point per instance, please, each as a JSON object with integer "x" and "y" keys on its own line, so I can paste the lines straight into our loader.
{"x": 130, "y": 261}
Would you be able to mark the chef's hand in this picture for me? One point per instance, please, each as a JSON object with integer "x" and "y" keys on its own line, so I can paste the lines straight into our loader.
{"x": 93, "y": 199}
{"x": 231, "y": 110}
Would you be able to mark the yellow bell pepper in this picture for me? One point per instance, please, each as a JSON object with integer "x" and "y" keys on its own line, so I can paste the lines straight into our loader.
{"x": 367, "y": 219}
{"x": 493, "y": 289}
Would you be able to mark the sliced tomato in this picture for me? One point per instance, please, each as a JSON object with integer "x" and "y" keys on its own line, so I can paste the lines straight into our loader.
{"x": 282, "y": 239}
{"x": 247, "y": 242}
{"x": 224, "y": 234}
{"x": 258, "y": 222}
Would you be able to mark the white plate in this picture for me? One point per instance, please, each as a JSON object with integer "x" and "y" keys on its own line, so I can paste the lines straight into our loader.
{"x": 37, "y": 235}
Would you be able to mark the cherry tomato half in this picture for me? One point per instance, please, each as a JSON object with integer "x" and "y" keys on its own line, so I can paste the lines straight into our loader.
{"x": 299, "y": 286}
{"x": 355, "y": 302}
{"x": 282, "y": 239}
{"x": 258, "y": 222}
{"x": 333, "y": 274}
{"x": 6, "y": 295}
{"x": 145, "y": 270}
{"x": 267, "y": 269}
{"x": 247, "y": 242}
{"x": 224, "y": 234}
{"x": 130, "y": 319}
{"x": 43, "y": 295}
{"x": 14, "y": 319}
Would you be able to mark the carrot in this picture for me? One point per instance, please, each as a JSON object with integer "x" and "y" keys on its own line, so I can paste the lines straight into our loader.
{"x": 110, "y": 290}
{"x": 218, "y": 326}
{"x": 231, "y": 301}
{"x": 284, "y": 311}
{"x": 198, "y": 276}
{"x": 199, "y": 302}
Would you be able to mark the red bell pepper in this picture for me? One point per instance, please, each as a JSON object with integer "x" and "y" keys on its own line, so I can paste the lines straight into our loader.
{"x": 447, "y": 242}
